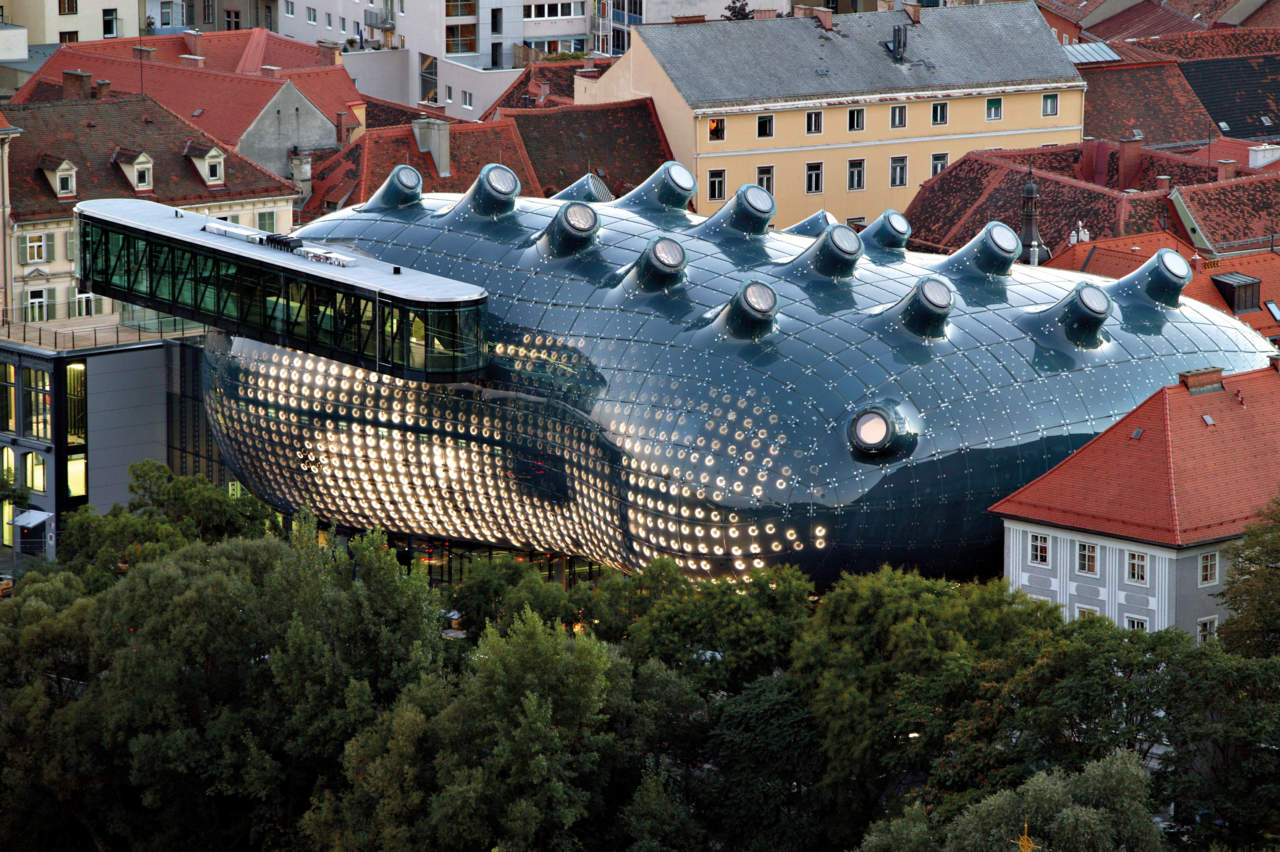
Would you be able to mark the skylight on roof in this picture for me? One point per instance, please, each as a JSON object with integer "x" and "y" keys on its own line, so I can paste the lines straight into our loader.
{"x": 1225, "y": 127}
{"x": 1266, "y": 120}
{"x": 1208, "y": 421}
{"x": 197, "y": 113}
{"x": 1274, "y": 309}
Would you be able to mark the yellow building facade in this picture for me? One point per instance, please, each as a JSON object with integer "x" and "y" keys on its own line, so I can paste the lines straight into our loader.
{"x": 854, "y": 154}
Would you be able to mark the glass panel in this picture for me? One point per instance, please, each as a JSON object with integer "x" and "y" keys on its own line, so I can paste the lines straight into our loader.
{"x": 76, "y": 475}
{"x": 77, "y": 410}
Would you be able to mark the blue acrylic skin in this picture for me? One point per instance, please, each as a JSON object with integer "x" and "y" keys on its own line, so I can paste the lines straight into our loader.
{"x": 712, "y": 390}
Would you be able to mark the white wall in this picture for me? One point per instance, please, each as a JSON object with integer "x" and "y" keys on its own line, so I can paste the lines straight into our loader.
{"x": 485, "y": 88}
{"x": 387, "y": 74}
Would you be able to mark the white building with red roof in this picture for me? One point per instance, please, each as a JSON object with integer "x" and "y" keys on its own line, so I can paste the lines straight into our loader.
{"x": 1133, "y": 525}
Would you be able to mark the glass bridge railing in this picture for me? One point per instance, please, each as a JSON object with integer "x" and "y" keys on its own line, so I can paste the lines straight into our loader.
{"x": 348, "y": 307}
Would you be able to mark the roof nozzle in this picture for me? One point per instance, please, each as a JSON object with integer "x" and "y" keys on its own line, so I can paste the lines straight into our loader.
{"x": 882, "y": 430}
{"x": 890, "y": 230}
{"x": 671, "y": 187}
{"x": 749, "y": 212}
{"x": 834, "y": 254}
{"x": 573, "y": 229}
{"x": 924, "y": 310}
{"x": 1075, "y": 320}
{"x": 751, "y": 312}
{"x": 660, "y": 265}
{"x": 991, "y": 253}
{"x": 494, "y": 192}
{"x": 1161, "y": 280}
{"x": 589, "y": 187}
{"x": 811, "y": 226}
{"x": 402, "y": 188}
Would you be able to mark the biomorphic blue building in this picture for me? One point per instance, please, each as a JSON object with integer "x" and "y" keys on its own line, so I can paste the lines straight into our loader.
{"x": 620, "y": 380}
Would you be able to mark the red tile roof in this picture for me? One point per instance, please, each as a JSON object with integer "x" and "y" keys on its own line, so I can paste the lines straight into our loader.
{"x": 1072, "y": 11}
{"x": 221, "y": 100}
{"x": 621, "y": 142}
{"x": 1268, "y": 15}
{"x": 352, "y": 175}
{"x": 1235, "y": 215}
{"x": 526, "y": 92}
{"x": 88, "y": 133}
{"x": 1076, "y": 182}
{"x": 238, "y": 51}
{"x": 383, "y": 113}
{"x": 1206, "y": 11}
{"x": 1216, "y": 43}
{"x": 1182, "y": 481}
{"x": 1119, "y": 101}
{"x": 1144, "y": 19}
{"x": 549, "y": 149}
{"x": 1226, "y": 148}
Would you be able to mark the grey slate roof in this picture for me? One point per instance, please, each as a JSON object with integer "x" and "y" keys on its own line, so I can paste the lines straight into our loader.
{"x": 719, "y": 63}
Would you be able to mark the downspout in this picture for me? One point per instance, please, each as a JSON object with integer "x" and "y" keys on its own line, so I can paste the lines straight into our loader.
{"x": 4, "y": 230}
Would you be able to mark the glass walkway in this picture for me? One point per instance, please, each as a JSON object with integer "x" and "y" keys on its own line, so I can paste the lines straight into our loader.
{"x": 276, "y": 289}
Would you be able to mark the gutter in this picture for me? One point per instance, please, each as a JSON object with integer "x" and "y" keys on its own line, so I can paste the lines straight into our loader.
{"x": 885, "y": 97}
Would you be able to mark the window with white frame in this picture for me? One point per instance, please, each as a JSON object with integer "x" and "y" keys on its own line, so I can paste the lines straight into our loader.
{"x": 764, "y": 126}
{"x": 857, "y": 175}
{"x": 1087, "y": 559}
{"x": 715, "y": 130}
{"x": 342, "y": 23}
{"x": 311, "y": 14}
{"x": 1209, "y": 569}
{"x": 937, "y": 163}
{"x": 1137, "y": 568}
{"x": 995, "y": 109}
{"x": 1082, "y": 610}
{"x": 267, "y": 221}
{"x": 109, "y": 23}
{"x": 813, "y": 121}
{"x": 1133, "y": 622}
{"x": 468, "y": 102}
{"x": 215, "y": 169}
{"x": 289, "y": 8}
{"x": 857, "y": 119}
{"x": 1206, "y": 629}
{"x": 448, "y": 94}
{"x": 36, "y": 308}
{"x": 1049, "y": 104}
{"x": 144, "y": 177}
{"x": 897, "y": 171}
{"x": 538, "y": 11}
{"x": 715, "y": 185}
{"x": 35, "y": 248}
{"x": 1039, "y": 554}
{"x": 166, "y": 13}
{"x": 87, "y": 304}
{"x": 764, "y": 178}
{"x": 939, "y": 112}
{"x": 813, "y": 178}
{"x": 898, "y": 115}
{"x": 328, "y": 20}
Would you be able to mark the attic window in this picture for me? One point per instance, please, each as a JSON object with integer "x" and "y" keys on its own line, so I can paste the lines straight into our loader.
{"x": 144, "y": 178}
{"x": 1274, "y": 309}
{"x": 67, "y": 184}
{"x": 215, "y": 170}
{"x": 1208, "y": 421}
{"x": 1226, "y": 128}
{"x": 1266, "y": 120}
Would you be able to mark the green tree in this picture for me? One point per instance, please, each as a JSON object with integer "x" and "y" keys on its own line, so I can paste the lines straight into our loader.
{"x": 737, "y": 11}
{"x": 1106, "y": 805}
{"x": 522, "y": 740}
{"x": 1252, "y": 588}
{"x": 868, "y": 634}
{"x": 198, "y": 509}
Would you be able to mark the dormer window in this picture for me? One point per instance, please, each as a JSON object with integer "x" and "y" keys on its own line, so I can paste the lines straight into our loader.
{"x": 137, "y": 166}
{"x": 61, "y": 175}
{"x": 209, "y": 161}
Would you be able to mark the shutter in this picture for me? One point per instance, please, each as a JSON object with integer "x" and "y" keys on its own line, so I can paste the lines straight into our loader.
{"x": 51, "y": 303}
{"x": 72, "y": 244}
{"x": 50, "y": 247}
{"x": 22, "y": 249}
{"x": 71, "y": 301}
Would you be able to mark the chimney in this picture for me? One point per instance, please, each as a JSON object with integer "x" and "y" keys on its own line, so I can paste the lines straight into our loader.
{"x": 432, "y": 135}
{"x": 272, "y": 71}
{"x": 192, "y": 39}
{"x": 588, "y": 64}
{"x": 1163, "y": 182}
{"x": 340, "y": 125}
{"x": 764, "y": 14}
{"x": 1226, "y": 169}
{"x": 1203, "y": 380}
{"x": 824, "y": 17}
{"x": 1263, "y": 155}
{"x": 301, "y": 166}
{"x": 75, "y": 85}
{"x": 1034, "y": 251}
{"x": 1197, "y": 263}
{"x": 101, "y": 88}
{"x": 544, "y": 89}
{"x": 898, "y": 47}
{"x": 190, "y": 60}
{"x": 913, "y": 11}
{"x": 143, "y": 53}
{"x": 1130, "y": 159}
{"x": 689, "y": 19}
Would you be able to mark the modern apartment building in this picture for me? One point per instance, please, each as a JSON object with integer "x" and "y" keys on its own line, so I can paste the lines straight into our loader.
{"x": 850, "y": 113}
{"x": 53, "y": 21}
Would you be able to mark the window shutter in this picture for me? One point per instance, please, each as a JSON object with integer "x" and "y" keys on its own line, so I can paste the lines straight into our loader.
{"x": 72, "y": 245}
{"x": 22, "y": 249}
{"x": 99, "y": 305}
{"x": 50, "y": 247}
{"x": 51, "y": 303}
{"x": 71, "y": 301}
